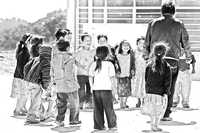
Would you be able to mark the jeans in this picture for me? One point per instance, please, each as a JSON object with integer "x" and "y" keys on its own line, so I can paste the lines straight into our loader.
{"x": 103, "y": 103}
{"x": 62, "y": 100}
{"x": 35, "y": 110}
{"x": 175, "y": 70}
{"x": 183, "y": 87}
{"x": 84, "y": 90}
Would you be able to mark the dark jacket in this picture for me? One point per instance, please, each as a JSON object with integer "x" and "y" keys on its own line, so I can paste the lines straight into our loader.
{"x": 22, "y": 56}
{"x": 156, "y": 83}
{"x": 37, "y": 70}
{"x": 170, "y": 30}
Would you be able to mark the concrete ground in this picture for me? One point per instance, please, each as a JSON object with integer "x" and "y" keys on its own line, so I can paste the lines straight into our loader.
{"x": 129, "y": 121}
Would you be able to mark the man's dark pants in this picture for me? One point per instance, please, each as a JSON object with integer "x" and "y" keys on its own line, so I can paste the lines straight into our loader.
{"x": 175, "y": 69}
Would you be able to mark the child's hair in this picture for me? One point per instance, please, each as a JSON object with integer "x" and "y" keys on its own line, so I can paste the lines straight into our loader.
{"x": 158, "y": 52}
{"x": 120, "y": 46}
{"x": 62, "y": 45}
{"x": 140, "y": 38}
{"x": 62, "y": 33}
{"x": 85, "y": 35}
{"x": 101, "y": 54}
{"x": 102, "y": 36}
{"x": 35, "y": 41}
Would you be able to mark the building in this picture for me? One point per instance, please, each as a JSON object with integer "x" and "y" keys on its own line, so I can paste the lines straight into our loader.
{"x": 127, "y": 19}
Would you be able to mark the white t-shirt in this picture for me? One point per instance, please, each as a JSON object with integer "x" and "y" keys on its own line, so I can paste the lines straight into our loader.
{"x": 102, "y": 79}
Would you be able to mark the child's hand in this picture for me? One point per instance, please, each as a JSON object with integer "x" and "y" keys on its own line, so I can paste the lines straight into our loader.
{"x": 193, "y": 71}
{"x": 133, "y": 73}
{"x": 165, "y": 96}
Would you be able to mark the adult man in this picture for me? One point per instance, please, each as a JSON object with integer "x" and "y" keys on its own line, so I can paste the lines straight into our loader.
{"x": 171, "y": 31}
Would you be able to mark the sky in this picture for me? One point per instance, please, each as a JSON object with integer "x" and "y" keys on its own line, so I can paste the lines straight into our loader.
{"x": 29, "y": 10}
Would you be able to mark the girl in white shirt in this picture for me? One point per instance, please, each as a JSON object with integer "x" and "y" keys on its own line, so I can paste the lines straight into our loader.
{"x": 102, "y": 75}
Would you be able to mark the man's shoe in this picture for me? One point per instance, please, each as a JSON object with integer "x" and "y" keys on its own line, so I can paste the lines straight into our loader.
{"x": 166, "y": 119}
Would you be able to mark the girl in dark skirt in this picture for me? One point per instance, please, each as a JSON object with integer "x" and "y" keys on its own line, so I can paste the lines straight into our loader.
{"x": 126, "y": 60}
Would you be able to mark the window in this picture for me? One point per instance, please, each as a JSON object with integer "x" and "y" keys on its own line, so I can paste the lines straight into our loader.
{"x": 99, "y": 3}
{"x": 83, "y": 3}
{"x": 148, "y": 2}
{"x": 126, "y": 3}
{"x": 187, "y": 2}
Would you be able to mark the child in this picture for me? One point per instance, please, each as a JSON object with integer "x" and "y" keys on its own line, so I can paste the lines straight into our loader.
{"x": 138, "y": 87}
{"x": 37, "y": 76}
{"x": 85, "y": 56}
{"x": 126, "y": 60}
{"x": 103, "y": 41}
{"x": 102, "y": 76}
{"x": 158, "y": 79}
{"x": 51, "y": 111}
{"x": 66, "y": 85}
{"x": 183, "y": 83}
{"x": 18, "y": 86}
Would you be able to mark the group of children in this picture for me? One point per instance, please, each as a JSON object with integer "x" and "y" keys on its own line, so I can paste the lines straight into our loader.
{"x": 90, "y": 77}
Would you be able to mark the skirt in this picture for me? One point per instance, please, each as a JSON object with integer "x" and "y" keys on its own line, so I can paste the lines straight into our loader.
{"x": 124, "y": 87}
{"x": 18, "y": 88}
{"x": 154, "y": 105}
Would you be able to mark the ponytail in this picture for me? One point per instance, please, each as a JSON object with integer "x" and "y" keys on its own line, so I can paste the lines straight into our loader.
{"x": 159, "y": 51}
{"x": 157, "y": 65}
{"x": 98, "y": 64}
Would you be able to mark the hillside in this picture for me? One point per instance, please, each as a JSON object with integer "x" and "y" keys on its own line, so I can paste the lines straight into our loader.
{"x": 11, "y": 30}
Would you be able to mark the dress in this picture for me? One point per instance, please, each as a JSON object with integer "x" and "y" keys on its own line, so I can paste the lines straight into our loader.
{"x": 138, "y": 83}
{"x": 124, "y": 80}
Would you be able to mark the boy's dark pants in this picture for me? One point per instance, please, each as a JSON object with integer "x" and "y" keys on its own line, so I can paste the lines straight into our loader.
{"x": 103, "y": 102}
{"x": 174, "y": 64}
{"x": 84, "y": 90}
{"x": 62, "y": 100}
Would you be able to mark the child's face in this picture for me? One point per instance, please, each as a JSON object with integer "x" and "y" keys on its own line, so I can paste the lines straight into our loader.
{"x": 125, "y": 47}
{"x": 141, "y": 45}
{"x": 87, "y": 42}
{"x": 102, "y": 41}
{"x": 68, "y": 37}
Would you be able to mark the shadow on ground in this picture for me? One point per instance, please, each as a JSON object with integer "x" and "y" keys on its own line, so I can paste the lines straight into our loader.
{"x": 66, "y": 129}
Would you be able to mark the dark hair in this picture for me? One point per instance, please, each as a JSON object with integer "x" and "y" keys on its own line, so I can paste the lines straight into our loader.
{"x": 102, "y": 36}
{"x": 84, "y": 35}
{"x": 24, "y": 38}
{"x": 35, "y": 42}
{"x": 168, "y": 8}
{"x": 101, "y": 54}
{"x": 159, "y": 51}
{"x": 62, "y": 33}
{"x": 120, "y": 47}
{"x": 140, "y": 38}
{"x": 62, "y": 45}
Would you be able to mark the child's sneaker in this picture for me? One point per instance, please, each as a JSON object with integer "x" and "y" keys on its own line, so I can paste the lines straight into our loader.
{"x": 186, "y": 106}
{"x": 113, "y": 128}
{"x": 19, "y": 113}
{"x": 60, "y": 123}
{"x": 75, "y": 123}
{"x": 156, "y": 129}
{"x": 33, "y": 119}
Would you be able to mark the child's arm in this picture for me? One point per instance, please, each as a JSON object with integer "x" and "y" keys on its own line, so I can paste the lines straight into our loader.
{"x": 193, "y": 64}
{"x": 113, "y": 83}
{"x": 91, "y": 81}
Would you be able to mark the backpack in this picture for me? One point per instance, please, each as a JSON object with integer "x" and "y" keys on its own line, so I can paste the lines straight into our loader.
{"x": 32, "y": 71}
